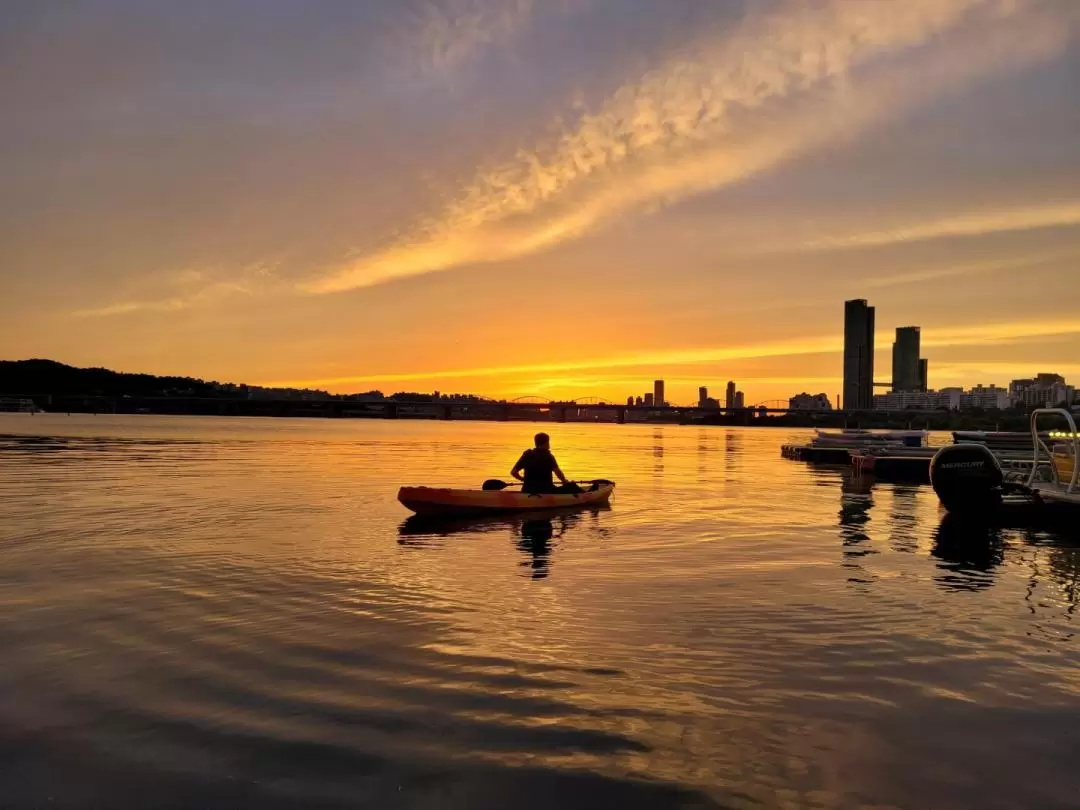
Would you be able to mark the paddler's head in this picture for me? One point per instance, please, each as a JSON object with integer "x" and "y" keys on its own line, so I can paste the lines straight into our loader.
{"x": 543, "y": 441}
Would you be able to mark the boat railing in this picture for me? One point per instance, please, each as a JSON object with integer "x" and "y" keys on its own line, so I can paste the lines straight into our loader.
{"x": 1040, "y": 447}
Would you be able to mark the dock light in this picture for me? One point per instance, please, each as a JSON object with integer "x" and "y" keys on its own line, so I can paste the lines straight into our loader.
{"x": 1063, "y": 434}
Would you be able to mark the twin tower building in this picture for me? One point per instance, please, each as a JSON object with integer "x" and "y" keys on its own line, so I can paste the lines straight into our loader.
{"x": 909, "y": 371}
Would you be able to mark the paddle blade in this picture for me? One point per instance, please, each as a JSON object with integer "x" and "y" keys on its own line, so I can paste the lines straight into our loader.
{"x": 493, "y": 485}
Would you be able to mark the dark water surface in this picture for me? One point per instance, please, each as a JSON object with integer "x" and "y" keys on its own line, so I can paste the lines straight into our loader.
{"x": 234, "y": 613}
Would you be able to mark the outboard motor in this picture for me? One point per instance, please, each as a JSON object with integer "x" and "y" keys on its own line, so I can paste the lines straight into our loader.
{"x": 967, "y": 479}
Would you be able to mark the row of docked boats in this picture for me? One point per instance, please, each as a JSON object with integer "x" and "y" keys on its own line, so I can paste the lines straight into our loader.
{"x": 979, "y": 473}
{"x": 900, "y": 455}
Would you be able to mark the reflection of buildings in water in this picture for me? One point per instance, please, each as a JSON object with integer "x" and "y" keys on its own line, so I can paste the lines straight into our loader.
{"x": 855, "y": 505}
{"x": 856, "y": 501}
{"x": 967, "y": 554}
{"x": 707, "y": 442}
{"x": 904, "y": 518}
{"x": 658, "y": 450}
{"x": 732, "y": 448}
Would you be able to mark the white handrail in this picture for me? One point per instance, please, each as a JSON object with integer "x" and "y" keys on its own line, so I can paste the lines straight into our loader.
{"x": 1037, "y": 442}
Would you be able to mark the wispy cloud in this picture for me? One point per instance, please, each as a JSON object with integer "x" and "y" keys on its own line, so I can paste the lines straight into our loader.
{"x": 990, "y": 333}
{"x": 452, "y": 32}
{"x": 969, "y": 269}
{"x": 725, "y": 109}
{"x": 187, "y": 289}
{"x": 979, "y": 223}
{"x": 1012, "y": 370}
{"x": 974, "y": 335}
{"x": 441, "y": 38}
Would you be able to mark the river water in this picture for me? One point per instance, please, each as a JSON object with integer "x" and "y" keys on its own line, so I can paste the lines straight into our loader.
{"x": 200, "y": 612}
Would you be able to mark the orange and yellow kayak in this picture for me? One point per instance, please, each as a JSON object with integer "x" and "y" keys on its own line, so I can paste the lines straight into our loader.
{"x": 433, "y": 501}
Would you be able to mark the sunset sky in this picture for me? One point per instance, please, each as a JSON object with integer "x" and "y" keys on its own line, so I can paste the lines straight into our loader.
{"x": 554, "y": 197}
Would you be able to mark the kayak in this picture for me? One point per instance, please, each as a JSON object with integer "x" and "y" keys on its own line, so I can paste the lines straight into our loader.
{"x": 426, "y": 526}
{"x": 433, "y": 501}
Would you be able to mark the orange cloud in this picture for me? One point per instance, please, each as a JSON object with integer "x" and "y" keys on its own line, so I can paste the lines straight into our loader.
{"x": 723, "y": 110}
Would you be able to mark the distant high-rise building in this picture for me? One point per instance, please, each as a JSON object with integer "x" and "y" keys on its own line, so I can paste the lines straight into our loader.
{"x": 658, "y": 393}
{"x": 648, "y": 400}
{"x": 638, "y": 401}
{"x": 858, "y": 354}
{"x": 906, "y": 369}
{"x": 740, "y": 400}
{"x": 630, "y": 402}
{"x": 924, "y": 374}
{"x": 702, "y": 396}
{"x": 729, "y": 396}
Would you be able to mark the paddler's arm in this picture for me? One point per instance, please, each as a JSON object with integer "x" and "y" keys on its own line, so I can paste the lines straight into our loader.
{"x": 516, "y": 472}
{"x": 557, "y": 471}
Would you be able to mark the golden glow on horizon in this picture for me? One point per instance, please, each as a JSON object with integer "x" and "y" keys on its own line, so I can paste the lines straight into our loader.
{"x": 560, "y": 377}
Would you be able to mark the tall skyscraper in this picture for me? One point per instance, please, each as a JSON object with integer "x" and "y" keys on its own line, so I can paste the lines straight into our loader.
{"x": 729, "y": 397}
{"x": 924, "y": 374}
{"x": 906, "y": 364}
{"x": 630, "y": 402}
{"x": 740, "y": 400}
{"x": 658, "y": 393}
{"x": 702, "y": 396}
{"x": 858, "y": 355}
{"x": 648, "y": 400}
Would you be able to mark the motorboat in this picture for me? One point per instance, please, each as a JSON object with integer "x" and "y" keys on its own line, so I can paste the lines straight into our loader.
{"x": 836, "y": 447}
{"x": 969, "y": 478}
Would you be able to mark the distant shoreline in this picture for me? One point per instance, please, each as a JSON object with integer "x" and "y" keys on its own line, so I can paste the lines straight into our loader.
{"x": 503, "y": 412}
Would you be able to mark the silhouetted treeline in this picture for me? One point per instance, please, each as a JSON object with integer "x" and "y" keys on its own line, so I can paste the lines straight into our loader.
{"x": 58, "y": 379}
{"x": 48, "y": 377}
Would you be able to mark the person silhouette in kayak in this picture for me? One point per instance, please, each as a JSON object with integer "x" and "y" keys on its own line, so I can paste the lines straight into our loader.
{"x": 536, "y": 468}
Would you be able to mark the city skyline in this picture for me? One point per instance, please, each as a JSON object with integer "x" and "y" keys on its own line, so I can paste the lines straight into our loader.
{"x": 1041, "y": 389}
{"x": 388, "y": 194}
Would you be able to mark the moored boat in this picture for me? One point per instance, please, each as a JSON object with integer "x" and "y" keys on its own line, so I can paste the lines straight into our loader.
{"x": 970, "y": 481}
{"x": 444, "y": 501}
{"x": 835, "y": 447}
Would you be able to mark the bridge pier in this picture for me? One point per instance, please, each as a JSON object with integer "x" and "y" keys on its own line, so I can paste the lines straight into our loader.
{"x": 504, "y": 413}
{"x": 560, "y": 413}
{"x": 444, "y": 412}
{"x": 390, "y": 410}
{"x": 620, "y": 416}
